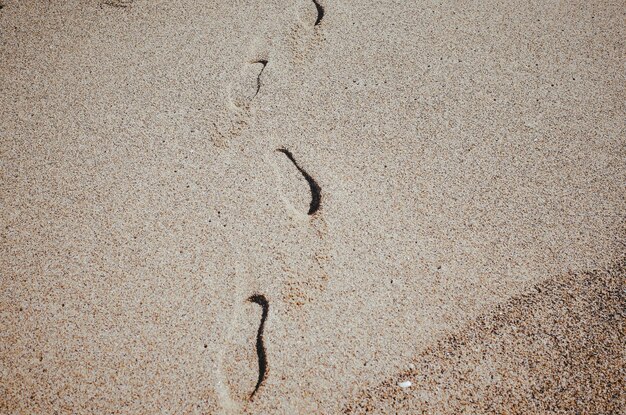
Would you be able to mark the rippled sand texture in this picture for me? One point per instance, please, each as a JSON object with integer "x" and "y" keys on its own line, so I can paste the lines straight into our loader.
{"x": 291, "y": 206}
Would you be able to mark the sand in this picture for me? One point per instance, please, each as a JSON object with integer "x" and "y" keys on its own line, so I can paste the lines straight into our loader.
{"x": 469, "y": 237}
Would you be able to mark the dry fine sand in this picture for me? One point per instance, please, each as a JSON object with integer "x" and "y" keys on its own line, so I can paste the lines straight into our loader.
{"x": 470, "y": 158}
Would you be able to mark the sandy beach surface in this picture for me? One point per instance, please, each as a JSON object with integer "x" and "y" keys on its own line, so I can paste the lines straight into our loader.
{"x": 281, "y": 207}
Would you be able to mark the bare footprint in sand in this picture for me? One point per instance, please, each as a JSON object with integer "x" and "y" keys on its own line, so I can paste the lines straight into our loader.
{"x": 248, "y": 85}
{"x": 240, "y": 93}
{"x": 244, "y": 364}
{"x": 303, "y": 198}
{"x": 236, "y": 115}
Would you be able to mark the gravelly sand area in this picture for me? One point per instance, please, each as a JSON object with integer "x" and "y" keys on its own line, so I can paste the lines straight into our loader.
{"x": 280, "y": 206}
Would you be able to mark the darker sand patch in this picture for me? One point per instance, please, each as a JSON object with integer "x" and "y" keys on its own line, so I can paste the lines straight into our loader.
{"x": 556, "y": 349}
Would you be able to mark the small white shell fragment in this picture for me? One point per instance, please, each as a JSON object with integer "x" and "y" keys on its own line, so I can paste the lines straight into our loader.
{"x": 405, "y": 384}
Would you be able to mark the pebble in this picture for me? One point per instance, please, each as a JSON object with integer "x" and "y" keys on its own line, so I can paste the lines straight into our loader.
{"x": 405, "y": 384}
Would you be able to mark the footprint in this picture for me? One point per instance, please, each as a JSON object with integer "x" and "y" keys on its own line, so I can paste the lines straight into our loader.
{"x": 320, "y": 12}
{"x": 316, "y": 191}
{"x": 310, "y": 12}
{"x": 260, "y": 346}
{"x": 258, "y": 78}
{"x": 248, "y": 85}
{"x": 238, "y": 112}
{"x": 244, "y": 363}
{"x": 235, "y": 117}
{"x": 304, "y": 270}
